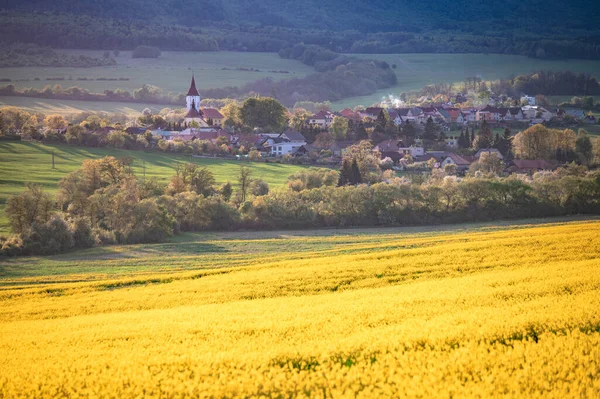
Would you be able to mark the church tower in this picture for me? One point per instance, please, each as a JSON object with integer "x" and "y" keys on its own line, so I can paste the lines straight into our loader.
{"x": 192, "y": 98}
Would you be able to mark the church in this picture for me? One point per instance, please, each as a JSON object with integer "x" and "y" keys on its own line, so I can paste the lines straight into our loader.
{"x": 207, "y": 117}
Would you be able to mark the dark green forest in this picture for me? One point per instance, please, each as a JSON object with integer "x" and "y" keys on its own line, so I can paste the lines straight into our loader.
{"x": 549, "y": 29}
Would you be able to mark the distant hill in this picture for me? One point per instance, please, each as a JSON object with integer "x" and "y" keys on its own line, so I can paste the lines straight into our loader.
{"x": 480, "y": 17}
{"x": 543, "y": 29}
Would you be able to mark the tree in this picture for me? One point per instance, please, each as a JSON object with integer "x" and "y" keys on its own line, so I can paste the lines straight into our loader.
{"x": 367, "y": 160}
{"x": 264, "y": 113}
{"x": 259, "y": 188}
{"x": 226, "y": 191}
{"x": 232, "y": 115}
{"x": 431, "y": 132}
{"x": 361, "y": 132}
{"x": 193, "y": 178}
{"x": 463, "y": 141}
{"x": 298, "y": 118}
{"x": 32, "y": 205}
{"x": 339, "y": 128}
{"x": 484, "y": 138}
{"x": 408, "y": 133}
{"x": 355, "y": 173}
{"x": 345, "y": 173}
{"x": 74, "y": 134}
{"x": 585, "y": 149}
{"x": 488, "y": 162}
{"x": 116, "y": 138}
{"x": 55, "y": 122}
{"x": 244, "y": 181}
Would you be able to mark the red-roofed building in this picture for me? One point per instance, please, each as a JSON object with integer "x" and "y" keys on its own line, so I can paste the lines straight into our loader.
{"x": 212, "y": 115}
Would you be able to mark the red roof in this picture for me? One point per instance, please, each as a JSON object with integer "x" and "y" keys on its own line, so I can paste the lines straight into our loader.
{"x": 193, "y": 113}
{"x": 193, "y": 91}
{"x": 211, "y": 113}
{"x": 348, "y": 113}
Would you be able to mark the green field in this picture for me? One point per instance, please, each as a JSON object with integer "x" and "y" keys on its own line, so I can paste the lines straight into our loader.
{"x": 171, "y": 72}
{"x": 70, "y": 107}
{"x": 22, "y": 162}
{"x": 417, "y": 70}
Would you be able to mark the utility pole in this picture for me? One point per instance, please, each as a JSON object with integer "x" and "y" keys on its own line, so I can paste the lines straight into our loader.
{"x": 52, "y": 159}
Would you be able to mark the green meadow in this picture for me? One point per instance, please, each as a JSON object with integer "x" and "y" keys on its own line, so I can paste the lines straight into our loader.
{"x": 171, "y": 72}
{"x": 22, "y": 163}
{"x": 70, "y": 107}
{"x": 417, "y": 70}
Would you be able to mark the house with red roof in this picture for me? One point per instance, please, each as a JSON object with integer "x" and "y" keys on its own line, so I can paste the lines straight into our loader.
{"x": 322, "y": 119}
{"x": 212, "y": 116}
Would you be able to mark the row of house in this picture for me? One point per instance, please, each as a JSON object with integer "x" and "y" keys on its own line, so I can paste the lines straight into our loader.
{"x": 444, "y": 114}
{"x": 394, "y": 150}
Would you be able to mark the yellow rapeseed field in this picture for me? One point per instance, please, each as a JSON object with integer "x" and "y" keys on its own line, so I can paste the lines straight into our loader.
{"x": 481, "y": 313}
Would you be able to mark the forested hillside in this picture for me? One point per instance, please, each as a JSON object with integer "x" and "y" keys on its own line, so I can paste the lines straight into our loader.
{"x": 362, "y": 15}
{"x": 549, "y": 29}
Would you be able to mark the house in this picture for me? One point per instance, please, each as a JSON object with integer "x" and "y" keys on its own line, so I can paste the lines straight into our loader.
{"x": 208, "y": 134}
{"x": 285, "y": 148}
{"x": 454, "y": 159}
{"x": 444, "y": 115}
{"x": 413, "y": 151}
{"x": 536, "y": 114}
{"x": 349, "y": 114}
{"x": 528, "y": 100}
{"x": 452, "y": 140}
{"x": 488, "y": 151}
{"x": 456, "y": 116}
{"x": 590, "y": 120}
{"x": 560, "y": 113}
{"x": 371, "y": 112}
{"x": 338, "y": 148}
{"x": 393, "y": 150}
{"x": 293, "y": 136}
{"x": 470, "y": 115}
{"x": 322, "y": 119}
{"x": 395, "y": 117}
{"x": 286, "y": 143}
{"x": 514, "y": 114}
{"x": 212, "y": 117}
{"x": 578, "y": 114}
{"x": 529, "y": 165}
{"x": 488, "y": 114}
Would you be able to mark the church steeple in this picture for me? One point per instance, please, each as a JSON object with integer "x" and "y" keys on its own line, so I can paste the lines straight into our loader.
{"x": 192, "y": 99}
{"x": 193, "y": 91}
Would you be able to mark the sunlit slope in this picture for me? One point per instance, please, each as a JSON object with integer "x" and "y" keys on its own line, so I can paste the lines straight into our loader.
{"x": 488, "y": 312}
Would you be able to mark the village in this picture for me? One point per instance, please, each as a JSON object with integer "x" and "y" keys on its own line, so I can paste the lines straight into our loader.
{"x": 405, "y": 139}
{"x": 322, "y": 138}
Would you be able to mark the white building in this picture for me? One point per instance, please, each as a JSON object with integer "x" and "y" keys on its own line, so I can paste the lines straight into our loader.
{"x": 528, "y": 99}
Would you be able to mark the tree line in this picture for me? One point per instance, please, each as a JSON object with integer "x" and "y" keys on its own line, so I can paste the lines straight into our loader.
{"x": 103, "y": 203}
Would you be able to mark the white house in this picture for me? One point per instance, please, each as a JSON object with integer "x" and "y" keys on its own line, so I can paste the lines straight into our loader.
{"x": 287, "y": 142}
{"x": 528, "y": 99}
{"x": 412, "y": 151}
{"x": 283, "y": 148}
{"x": 322, "y": 119}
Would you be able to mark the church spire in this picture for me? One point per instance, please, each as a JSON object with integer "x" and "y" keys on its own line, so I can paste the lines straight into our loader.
{"x": 193, "y": 91}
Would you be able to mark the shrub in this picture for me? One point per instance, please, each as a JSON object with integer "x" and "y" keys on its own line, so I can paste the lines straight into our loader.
{"x": 104, "y": 237}
{"x": 83, "y": 236}
{"x": 48, "y": 238}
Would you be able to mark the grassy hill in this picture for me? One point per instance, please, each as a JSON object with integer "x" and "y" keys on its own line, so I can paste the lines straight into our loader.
{"x": 22, "y": 162}
{"x": 334, "y": 313}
